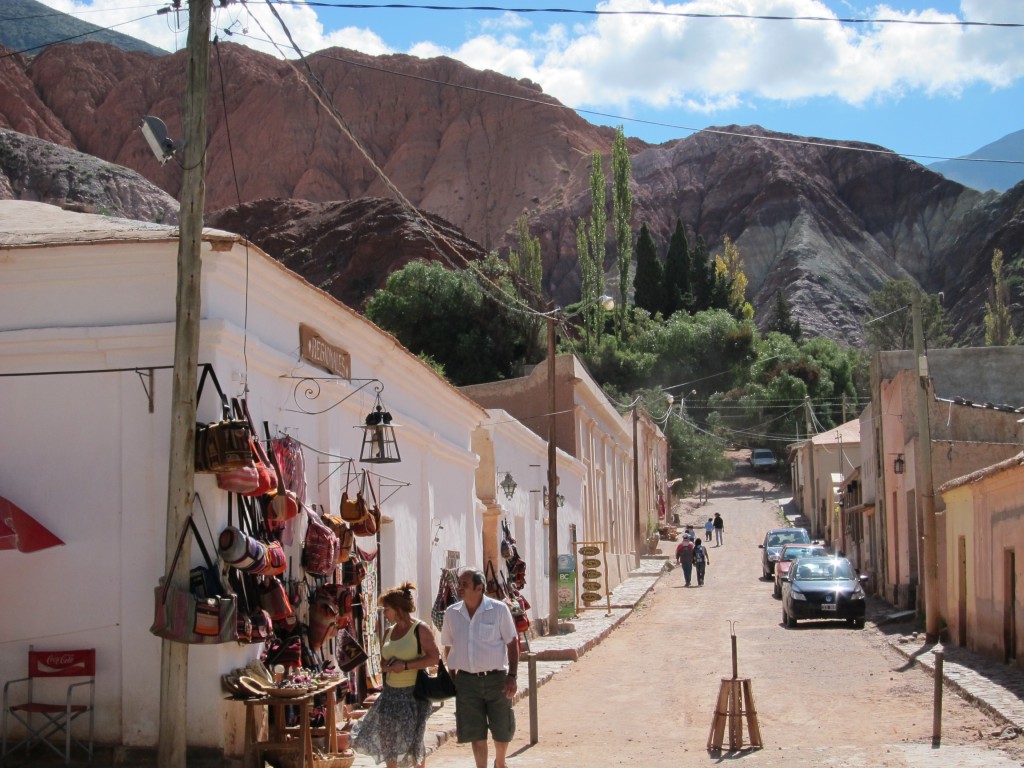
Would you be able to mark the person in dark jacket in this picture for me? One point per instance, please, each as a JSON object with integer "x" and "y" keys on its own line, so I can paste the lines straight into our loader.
{"x": 684, "y": 556}
{"x": 719, "y": 524}
{"x": 700, "y": 561}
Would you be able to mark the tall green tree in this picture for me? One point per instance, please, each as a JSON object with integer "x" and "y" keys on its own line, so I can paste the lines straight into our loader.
{"x": 649, "y": 283}
{"x": 588, "y": 279}
{"x": 597, "y": 235}
{"x": 702, "y": 278}
{"x": 891, "y": 325}
{"x": 781, "y": 319}
{"x": 525, "y": 261}
{"x": 678, "y": 291}
{"x": 998, "y": 324}
{"x": 622, "y": 209}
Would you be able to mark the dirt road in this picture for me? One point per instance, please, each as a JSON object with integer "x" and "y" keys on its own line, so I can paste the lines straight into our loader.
{"x": 826, "y": 694}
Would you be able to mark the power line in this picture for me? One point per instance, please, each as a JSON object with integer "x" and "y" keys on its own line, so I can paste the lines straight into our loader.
{"x": 668, "y": 14}
{"x": 82, "y": 34}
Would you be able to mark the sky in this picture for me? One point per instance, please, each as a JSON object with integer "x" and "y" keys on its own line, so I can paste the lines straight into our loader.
{"x": 926, "y": 91}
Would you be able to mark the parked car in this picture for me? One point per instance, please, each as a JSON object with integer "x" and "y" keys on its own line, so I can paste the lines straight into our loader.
{"x": 762, "y": 459}
{"x": 823, "y": 588}
{"x": 791, "y": 552}
{"x": 774, "y": 540}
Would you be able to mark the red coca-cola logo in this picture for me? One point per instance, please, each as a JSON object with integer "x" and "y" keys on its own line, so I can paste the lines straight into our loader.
{"x": 60, "y": 659}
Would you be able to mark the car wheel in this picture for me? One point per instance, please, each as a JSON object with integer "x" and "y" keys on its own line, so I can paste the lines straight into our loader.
{"x": 857, "y": 623}
{"x": 777, "y": 592}
{"x": 788, "y": 620}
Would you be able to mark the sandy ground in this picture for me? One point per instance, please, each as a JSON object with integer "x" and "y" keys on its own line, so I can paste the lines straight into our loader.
{"x": 824, "y": 694}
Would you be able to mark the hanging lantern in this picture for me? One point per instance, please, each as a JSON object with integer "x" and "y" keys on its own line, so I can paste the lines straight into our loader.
{"x": 509, "y": 485}
{"x": 379, "y": 444}
{"x": 899, "y": 465}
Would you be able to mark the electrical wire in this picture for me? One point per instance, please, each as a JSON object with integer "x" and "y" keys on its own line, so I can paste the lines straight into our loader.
{"x": 81, "y": 34}
{"x": 635, "y": 12}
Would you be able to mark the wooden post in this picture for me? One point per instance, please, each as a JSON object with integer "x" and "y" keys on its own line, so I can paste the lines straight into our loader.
{"x": 171, "y": 751}
{"x": 924, "y": 480}
{"x": 937, "y": 700}
{"x": 552, "y": 486}
{"x": 638, "y": 532}
{"x": 531, "y": 662}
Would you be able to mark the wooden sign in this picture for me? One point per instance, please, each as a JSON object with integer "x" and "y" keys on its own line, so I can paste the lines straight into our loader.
{"x": 591, "y": 597}
{"x": 590, "y": 551}
{"x": 591, "y": 562}
{"x": 313, "y": 348}
{"x": 594, "y": 565}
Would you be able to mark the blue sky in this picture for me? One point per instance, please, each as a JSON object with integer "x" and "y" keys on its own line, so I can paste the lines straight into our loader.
{"x": 941, "y": 91}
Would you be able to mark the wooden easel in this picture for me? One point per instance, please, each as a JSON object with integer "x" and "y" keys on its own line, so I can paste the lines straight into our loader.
{"x": 735, "y": 702}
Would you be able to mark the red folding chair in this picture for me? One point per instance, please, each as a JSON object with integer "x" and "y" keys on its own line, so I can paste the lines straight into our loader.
{"x": 57, "y": 717}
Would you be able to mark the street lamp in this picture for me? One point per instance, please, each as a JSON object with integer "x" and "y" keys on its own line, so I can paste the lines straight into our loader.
{"x": 608, "y": 304}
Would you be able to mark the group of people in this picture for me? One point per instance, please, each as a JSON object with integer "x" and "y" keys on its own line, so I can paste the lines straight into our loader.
{"x": 482, "y": 654}
{"x": 692, "y": 553}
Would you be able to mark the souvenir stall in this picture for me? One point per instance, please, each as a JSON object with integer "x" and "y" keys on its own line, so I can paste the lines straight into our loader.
{"x": 287, "y": 543}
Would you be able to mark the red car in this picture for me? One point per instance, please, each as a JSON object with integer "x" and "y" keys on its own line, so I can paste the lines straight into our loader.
{"x": 791, "y": 552}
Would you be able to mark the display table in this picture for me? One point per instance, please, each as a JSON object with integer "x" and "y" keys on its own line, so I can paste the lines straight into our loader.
{"x": 281, "y": 739}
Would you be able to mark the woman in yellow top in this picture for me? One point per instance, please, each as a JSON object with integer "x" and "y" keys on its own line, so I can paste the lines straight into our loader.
{"x": 392, "y": 731}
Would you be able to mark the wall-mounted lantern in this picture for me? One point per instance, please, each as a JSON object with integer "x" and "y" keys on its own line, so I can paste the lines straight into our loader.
{"x": 379, "y": 444}
{"x": 559, "y": 498}
{"x": 899, "y": 465}
{"x": 508, "y": 485}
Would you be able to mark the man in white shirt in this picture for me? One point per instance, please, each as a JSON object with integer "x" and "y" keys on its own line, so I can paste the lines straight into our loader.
{"x": 482, "y": 651}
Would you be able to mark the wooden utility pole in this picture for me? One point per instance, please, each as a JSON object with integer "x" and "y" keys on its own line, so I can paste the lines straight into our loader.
{"x": 811, "y": 480}
{"x": 171, "y": 751}
{"x": 637, "y": 532}
{"x": 552, "y": 487}
{"x": 924, "y": 480}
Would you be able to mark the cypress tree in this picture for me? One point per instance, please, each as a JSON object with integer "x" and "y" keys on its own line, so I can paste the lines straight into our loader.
{"x": 649, "y": 283}
{"x": 678, "y": 293}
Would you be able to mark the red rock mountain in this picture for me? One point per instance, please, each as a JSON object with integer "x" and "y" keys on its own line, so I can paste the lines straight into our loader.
{"x": 825, "y": 225}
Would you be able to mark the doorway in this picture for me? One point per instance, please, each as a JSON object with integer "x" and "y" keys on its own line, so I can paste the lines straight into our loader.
{"x": 961, "y": 597}
{"x": 1010, "y": 606}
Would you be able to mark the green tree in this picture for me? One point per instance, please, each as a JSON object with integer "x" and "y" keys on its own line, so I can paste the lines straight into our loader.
{"x": 649, "y": 283}
{"x": 444, "y": 316}
{"x": 622, "y": 208}
{"x": 526, "y": 261}
{"x": 588, "y": 279}
{"x": 781, "y": 319}
{"x": 597, "y": 235}
{"x": 731, "y": 282}
{"x": 998, "y": 324}
{"x": 702, "y": 278}
{"x": 891, "y": 326}
{"x": 678, "y": 291}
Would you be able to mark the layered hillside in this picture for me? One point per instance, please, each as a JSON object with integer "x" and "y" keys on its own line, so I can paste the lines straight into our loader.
{"x": 825, "y": 225}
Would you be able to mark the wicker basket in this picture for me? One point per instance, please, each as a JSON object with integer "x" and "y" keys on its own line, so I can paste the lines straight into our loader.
{"x": 320, "y": 760}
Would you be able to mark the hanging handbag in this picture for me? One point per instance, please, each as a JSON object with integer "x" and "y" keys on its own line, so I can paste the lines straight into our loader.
{"x": 182, "y": 617}
{"x": 447, "y": 594}
{"x": 323, "y": 621}
{"x": 258, "y": 479}
{"x": 434, "y": 688}
{"x": 284, "y": 504}
{"x": 274, "y": 599}
{"x": 369, "y": 524}
{"x": 320, "y": 548}
{"x": 291, "y": 464}
{"x": 221, "y": 446}
{"x": 346, "y": 538}
{"x": 350, "y": 653}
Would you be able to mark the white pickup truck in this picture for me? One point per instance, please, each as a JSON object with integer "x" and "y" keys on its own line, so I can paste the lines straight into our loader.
{"x": 762, "y": 460}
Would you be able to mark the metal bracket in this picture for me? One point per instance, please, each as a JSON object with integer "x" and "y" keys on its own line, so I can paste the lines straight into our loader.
{"x": 143, "y": 375}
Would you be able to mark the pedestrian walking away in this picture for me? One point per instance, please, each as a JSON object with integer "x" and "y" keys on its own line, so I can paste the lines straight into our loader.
{"x": 719, "y": 525}
{"x": 392, "y": 732}
{"x": 482, "y": 651}
{"x": 709, "y": 528}
{"x": 700, "y": 561}
{"x": 684, "y": 556}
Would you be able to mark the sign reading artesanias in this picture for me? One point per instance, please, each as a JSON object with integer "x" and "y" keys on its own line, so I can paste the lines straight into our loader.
{"x": 321, "y": 353}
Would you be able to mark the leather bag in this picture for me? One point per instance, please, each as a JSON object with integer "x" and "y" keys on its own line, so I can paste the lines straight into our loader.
{"x": 429, "y": 687}
{"x": 255, "y": 480}
{"x": 184, "y": 618}
{"x": 224, "y": 445}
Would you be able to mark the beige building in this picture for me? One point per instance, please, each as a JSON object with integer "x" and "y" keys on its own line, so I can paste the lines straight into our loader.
{"x": 817, "y": 467}
{"x": 591, "y": 430}
{"x": 984, "y": 523}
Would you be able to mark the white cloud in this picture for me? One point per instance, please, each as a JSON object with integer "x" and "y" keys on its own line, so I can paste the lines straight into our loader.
{"x": 626, "y": 62}
{"x": 618, "y": 61}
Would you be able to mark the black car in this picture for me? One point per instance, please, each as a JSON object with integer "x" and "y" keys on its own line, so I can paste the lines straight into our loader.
{"x": 823, "y": 588}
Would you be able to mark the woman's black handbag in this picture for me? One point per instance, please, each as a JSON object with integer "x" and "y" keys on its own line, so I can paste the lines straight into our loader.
{"x": 434, "y": 688}
{"x": 428, "y": 687}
